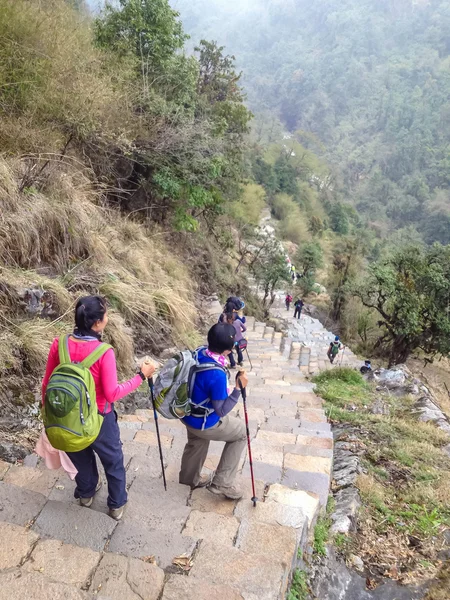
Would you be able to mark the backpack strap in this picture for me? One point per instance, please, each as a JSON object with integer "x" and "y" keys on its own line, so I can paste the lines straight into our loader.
{"x": 63, "y": 349}
{"x": 94, "y": 356}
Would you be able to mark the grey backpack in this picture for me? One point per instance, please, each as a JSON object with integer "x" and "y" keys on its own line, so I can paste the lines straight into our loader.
{"x": 175, "y": 383}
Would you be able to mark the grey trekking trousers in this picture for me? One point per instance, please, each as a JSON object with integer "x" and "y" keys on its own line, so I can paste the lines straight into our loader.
{"x": 230, "y": 430}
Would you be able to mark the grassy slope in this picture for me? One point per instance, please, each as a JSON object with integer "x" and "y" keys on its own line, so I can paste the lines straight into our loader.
{"x": 405, "y": 484}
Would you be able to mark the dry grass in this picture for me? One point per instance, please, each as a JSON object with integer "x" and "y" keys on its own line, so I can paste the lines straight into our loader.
{"x": 66, "y": 231}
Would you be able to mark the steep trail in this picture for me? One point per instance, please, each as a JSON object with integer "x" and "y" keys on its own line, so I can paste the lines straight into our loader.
{"x": 52, "y": 548}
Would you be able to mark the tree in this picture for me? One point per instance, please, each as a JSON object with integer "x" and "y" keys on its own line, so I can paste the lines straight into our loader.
{"x": 269, "y": 269}
{"x": 410, "y": 290}
{"x": 310, "y": 258}
{"x": 147, "y": 29}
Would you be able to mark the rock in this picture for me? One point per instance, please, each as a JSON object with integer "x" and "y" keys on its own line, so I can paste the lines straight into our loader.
{"x": 348, "y": 502}
{"x": 168, "y": 353}
{"x": 16, "y": 543}
{"x": 35, "y": 586}
{"x": 134, "y": 540}
{"x": 278, "y": 543}
{"x": 357, "y": 562}
{"x": 180, "y": 587}
{"x": 18, "y": 505}
{"x": 11, "y": 452}
{"x": 62, "y": 562}
{"x": 34, "y": 479}
{"x": 379, "y": 407}
{"x": 390, "y": 378}
{"x": 122, "y": 578}
{"x": 75, "y": 525}
{"x": 254, "y": 575}
{"x": 211, "y": 526}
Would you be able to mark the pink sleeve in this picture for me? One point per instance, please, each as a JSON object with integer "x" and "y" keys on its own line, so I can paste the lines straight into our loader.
{"x": 52, "y": 363}
{"x": 113, "y": 390}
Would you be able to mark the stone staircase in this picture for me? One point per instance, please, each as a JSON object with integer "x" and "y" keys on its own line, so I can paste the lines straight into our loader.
{"x": 182, "y": 544}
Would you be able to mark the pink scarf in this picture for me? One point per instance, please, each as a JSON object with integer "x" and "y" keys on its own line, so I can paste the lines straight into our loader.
{"x": 219, "y": 358}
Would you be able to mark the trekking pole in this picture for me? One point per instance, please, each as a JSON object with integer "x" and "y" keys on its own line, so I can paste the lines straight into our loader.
{"x": 342, "y": 356}
{"x": 250, "y": 460}
{"x": 249, "y": 361}
{"x": 155, "y": 414}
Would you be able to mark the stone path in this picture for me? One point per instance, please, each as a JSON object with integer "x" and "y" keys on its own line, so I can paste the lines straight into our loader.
{"x": 181, "y": 545}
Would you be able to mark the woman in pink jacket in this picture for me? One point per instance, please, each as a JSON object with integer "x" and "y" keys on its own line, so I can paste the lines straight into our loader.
{"x": 91, "y": 318}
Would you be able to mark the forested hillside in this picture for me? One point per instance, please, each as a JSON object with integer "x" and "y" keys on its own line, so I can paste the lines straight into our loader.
{"x": 365, "y": 83}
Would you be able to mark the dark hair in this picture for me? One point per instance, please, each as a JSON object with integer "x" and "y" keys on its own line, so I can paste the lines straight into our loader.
{"x": 88, "y": 311}
{"x": 229, "y": 316}
{"x": 221, "y": 337}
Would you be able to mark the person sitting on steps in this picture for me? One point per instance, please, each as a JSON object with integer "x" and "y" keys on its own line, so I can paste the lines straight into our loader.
{"x": 298, "y": 308}
{"x": 240, "y": 328}
{"x": 91, "y": 318}
{"x": 218, "y": 425}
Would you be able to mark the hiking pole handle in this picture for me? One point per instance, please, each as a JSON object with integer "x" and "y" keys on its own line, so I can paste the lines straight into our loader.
{"x": 155, "y": 415}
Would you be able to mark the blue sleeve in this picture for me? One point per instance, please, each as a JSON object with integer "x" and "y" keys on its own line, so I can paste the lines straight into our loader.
{"x": 218, "y": 386}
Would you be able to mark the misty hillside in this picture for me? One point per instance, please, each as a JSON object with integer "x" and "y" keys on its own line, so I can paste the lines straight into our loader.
{"x": 370, "y": 79}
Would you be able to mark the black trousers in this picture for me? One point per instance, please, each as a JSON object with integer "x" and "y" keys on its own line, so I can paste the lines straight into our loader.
{"x": 240, "y": 356}
{"x": 298, "y": 311}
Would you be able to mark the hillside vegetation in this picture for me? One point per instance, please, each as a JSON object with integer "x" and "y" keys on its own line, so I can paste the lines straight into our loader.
{"x": 119, "y": 156}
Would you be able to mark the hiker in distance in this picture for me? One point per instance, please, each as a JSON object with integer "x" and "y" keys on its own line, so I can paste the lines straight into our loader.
{"x": 239, "y": 329}
{"x": 333, "y": 349}
{"x": 288, "y": 301}
{"x": 65, "y": 383}
{"x": 232, "y": 305}
{"x": 210, "y": 419}
{"x": 298, "y": 308}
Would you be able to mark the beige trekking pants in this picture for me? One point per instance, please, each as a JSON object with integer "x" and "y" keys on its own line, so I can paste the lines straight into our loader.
{"x": 230, "y": 430}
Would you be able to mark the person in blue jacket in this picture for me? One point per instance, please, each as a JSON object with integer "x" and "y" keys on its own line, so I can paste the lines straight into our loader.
{"x": 212, "y": 420}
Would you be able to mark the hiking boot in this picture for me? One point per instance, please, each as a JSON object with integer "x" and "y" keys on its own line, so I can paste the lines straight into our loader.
{"x": 232, "y": 492}
{"x": 205, "y": 480}
{"x": 116, "y": 513}
{"x": 87, "y": 502}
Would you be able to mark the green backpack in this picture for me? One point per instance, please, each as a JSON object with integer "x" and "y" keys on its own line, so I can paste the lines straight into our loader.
{"x": 335, "y": 348}
{"x": 70, "y": 414}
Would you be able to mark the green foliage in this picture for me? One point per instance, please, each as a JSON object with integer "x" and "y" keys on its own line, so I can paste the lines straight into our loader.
{"x": 410, "y": 290}
{"x": 149, "y": 30}
{"x": 247, "y": 210}
{"x": 299, "y": 587}
{"x": 270, "y": 269}
{"x": 309, "y": 257}
{"x": 321, "y": 535}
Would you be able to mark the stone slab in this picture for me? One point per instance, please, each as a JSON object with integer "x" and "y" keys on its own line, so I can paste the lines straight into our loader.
{"x": 308, "y": 440}
{"x": 274, "y": 541}
{"x": 202, "y": 500}
{"x": 255, "y": 576}
{"x": 305, "y": 450}
{"x": 15, "y": 544}
{"x": 63, "y": 562}
{"x": 267, "y": 454}
{"x": 150, "y": 438}
{"x": 180, "y": 587}
{"x": 263, "y": 471}
{"x": 273, "y": 513}
{"x": 275, "y": 438}
{"x": 157, "y": 512}
{"x": 131, "y": 539}
{"x": 124, "y": 578}
{"x": 280, "y": 424}
{"x": 307, "y": 502}
{"x": 317, "y": 483}
{"x": 153, "y": 488}
{"x": 211, "y": 526}
{"x": 74, "y": 525}
{"x": 311, "y": 464}
{"x": 33, "y": 479}
{"x": 312, "y": 415}
{"x": 4, "y": 466}
{"x": 18, "y": 505}
{"x": 315, "y": 428}
{"x": 20, "y": 585}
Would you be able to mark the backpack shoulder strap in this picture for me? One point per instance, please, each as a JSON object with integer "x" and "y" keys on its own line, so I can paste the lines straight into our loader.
{"x": 63, "y": 349}
{"x": 94, "y": 356}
